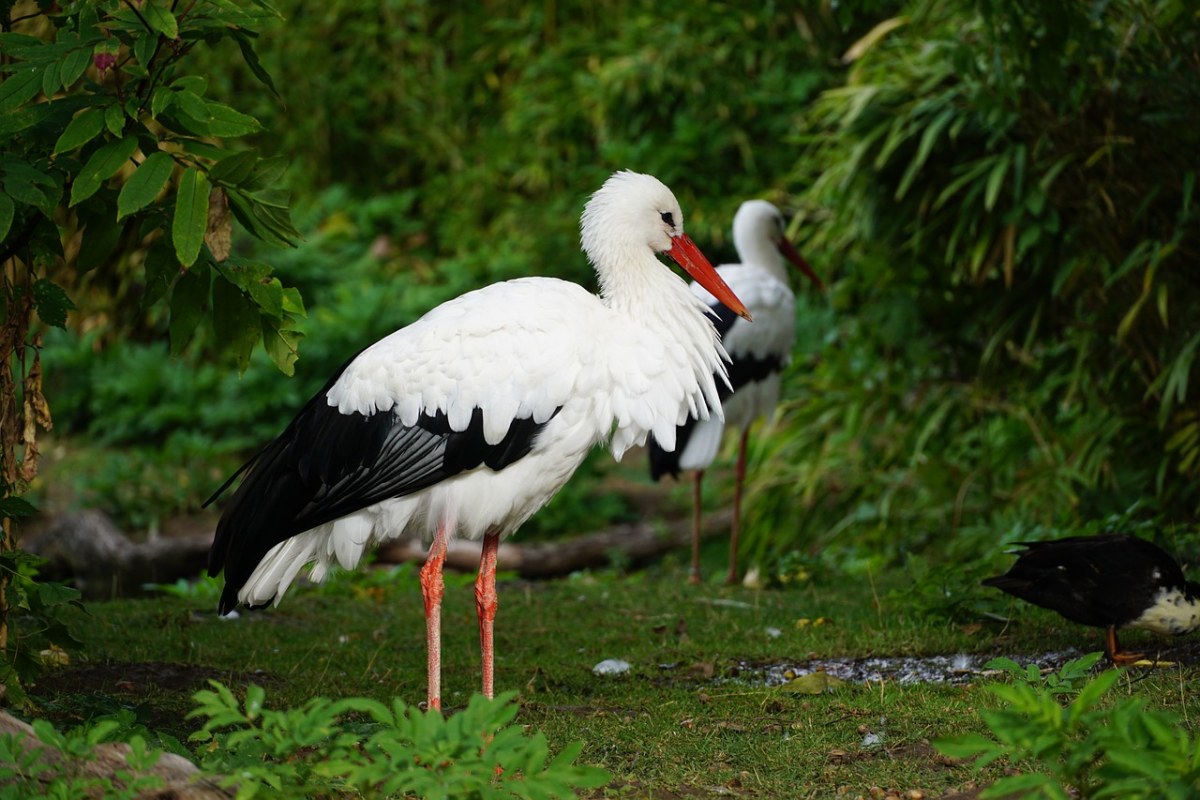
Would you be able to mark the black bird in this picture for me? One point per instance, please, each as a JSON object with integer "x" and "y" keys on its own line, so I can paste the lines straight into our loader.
{"x": 1108, "y": 581}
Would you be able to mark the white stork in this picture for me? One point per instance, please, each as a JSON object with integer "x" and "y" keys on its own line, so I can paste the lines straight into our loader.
{"x": 758, "y": 354}
{"x": 468, "y": 420}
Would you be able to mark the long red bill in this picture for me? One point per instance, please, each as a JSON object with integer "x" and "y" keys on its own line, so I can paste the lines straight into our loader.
{"x": 793, "y": 255}
{"x": 685, "y": 253}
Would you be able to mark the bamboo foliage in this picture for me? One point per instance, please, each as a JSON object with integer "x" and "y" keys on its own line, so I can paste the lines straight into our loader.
{"x": 1017, "y": 182}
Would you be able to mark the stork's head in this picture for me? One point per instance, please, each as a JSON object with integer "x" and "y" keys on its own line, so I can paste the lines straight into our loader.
{"x": 759, "y": 224}
{"x": 632, "y": 214}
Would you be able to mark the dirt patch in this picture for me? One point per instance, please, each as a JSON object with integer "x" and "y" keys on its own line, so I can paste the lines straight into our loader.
{"x": 136, "y": 679}
{"x": 158, "y": 694}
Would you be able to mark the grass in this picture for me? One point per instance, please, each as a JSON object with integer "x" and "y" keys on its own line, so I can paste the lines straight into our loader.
{"x": 686, "y": 721}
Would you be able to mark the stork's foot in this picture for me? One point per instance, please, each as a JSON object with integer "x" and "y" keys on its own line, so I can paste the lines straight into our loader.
{"x": 732, "y": 578}
{"x": 694, "y": 578}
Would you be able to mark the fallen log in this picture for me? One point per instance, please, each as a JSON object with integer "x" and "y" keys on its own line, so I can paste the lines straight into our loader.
{"x": 87, "y": 549}
{"x": 632, "y": 543}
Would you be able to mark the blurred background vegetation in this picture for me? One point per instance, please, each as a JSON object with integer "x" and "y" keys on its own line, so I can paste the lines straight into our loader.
{"x": 1000, "y": 195}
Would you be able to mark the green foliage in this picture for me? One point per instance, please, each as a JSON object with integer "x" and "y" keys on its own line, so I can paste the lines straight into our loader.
{"x": 364, "y": 746}
{"x": 1084, "y": 748}
{"x": 204, "y": 589}
{"x": 24, "y": 773}
{"x": 99, "y": 94}
{"x": 1066, "y": 681}
{"x": 112, "y": 155}
{"x": 38, "y": 613}
{"x": 1011, "y": 186}
{"x": 322, "y": 748}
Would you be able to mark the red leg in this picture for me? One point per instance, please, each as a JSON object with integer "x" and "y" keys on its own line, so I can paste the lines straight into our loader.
{"x": 739, "y": 477}
{"x": 432, "y": 588}
{"x": 697, "y": 479}
{"x": 485, "y": 607}
{"x": 1112, "y": 649}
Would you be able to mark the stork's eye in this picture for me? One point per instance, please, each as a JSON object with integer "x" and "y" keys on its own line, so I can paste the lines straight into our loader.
{"x": 668, "y": 218}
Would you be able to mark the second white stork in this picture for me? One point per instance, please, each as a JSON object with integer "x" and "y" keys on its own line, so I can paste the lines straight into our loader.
{"x": 469, "y": 420}
{"x": 758, "y": 354}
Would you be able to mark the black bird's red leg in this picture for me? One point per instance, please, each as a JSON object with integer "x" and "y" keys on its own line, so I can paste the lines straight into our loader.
{"x": 1112, "y": 649}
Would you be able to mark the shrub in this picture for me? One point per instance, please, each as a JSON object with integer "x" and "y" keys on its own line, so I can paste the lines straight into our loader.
{"x": 1084, "y": 748}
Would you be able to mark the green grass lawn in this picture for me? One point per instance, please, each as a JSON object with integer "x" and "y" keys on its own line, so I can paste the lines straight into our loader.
{"x": 688, "y": 720}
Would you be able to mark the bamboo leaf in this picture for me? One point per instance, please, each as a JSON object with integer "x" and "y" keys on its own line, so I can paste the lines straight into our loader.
{"x": 928, "y": 139}
{"x": 995, "y": 181}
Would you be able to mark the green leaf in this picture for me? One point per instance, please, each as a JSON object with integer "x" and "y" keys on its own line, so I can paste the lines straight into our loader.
{"x": 160, "y": 100}
{"x": 114, "y": 119}
{"x": 12, "y": 507}
{"x": 25, "y": 192}
{"x": 75, "y": 63}
{"x": 293, "y": 303}
{"x": 145, "y": 184}
{"x": 965, "y": 746}
{"x": 19, "y": 88}
{"x": 255, "y": 278}
{"x": 161, "y": 270}
{"x": 52, "y": 78}
{"x": 100, "y": 236}
{"x": 86, "y": 126}
{"x": 144, "y": 48}
{"x": 188, "y": 301}
{"x": 101, "y": 166}
{"x": 6, "y": 215}
{"x": 1021, "y": 785}
{"x": 196, "y": 84}
{"x": 995, "y": 181}
{"x": 226, "y": 122}
{"x": 251, "y": 59}
{"x": 235, "y": 321}
{"x": 234, "y": 168}
{"x": 282, "y": 345}
{"x": 191, "y": 215}
{"x": 23, "y": 118}
{"x": 161, "y": 20}
{"x": 193, "y": 105}
{"x": 51, "y": 302}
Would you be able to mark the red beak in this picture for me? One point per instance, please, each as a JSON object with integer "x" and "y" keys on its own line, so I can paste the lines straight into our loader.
{"x": 793, "y": 255}
{"x": 685, "y": 253}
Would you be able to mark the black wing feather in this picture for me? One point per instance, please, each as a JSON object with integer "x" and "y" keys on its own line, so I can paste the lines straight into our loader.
{"x": 327, "y": 464}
